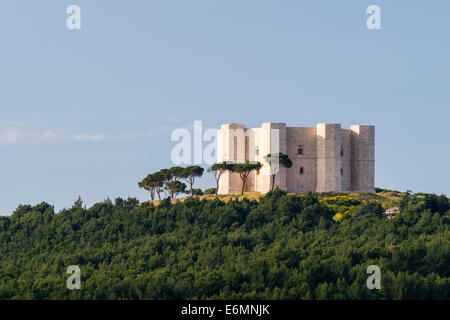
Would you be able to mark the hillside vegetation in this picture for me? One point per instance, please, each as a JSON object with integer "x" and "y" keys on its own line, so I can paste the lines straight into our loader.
{"x": 280, "y": 246}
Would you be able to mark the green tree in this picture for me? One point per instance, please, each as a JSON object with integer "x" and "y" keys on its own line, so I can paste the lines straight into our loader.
{"x": 148, "y": 184}
{"x": 175, "y": 187}
{"x": 277, "y": 160}
{"x": 172, "y": 177}
{"x": 218, "y": 169}
{"x": 164, "y": 176}
{"x": 154, "y": 183}
{"x": 196, "y": 192}
{"x": 210, "y": 191}
{"x": 160, "y": 178}
{"x": 189, "y": 174}
{"x": 244, "y": 170}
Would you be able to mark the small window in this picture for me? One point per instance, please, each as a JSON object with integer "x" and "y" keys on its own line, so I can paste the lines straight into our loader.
{"x": 342, "y": 152}
{"x": 300, "y": 150}
{"x": 257, "y": 151}
{"x": 301, "y": 170}
{"x": 342, "y": 171}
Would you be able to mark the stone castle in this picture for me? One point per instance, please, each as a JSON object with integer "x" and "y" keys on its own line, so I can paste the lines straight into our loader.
{"x": 324, "y": 158}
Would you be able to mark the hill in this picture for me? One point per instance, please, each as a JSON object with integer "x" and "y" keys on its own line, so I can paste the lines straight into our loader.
{"x": 383, "y": 196}
{"x": 278, "y": 246}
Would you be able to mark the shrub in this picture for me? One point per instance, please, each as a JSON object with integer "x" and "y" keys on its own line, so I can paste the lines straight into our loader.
{"x": 210, "y": 191}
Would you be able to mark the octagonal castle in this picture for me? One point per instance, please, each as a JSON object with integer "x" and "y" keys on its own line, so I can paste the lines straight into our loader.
{"x": 324, "y": 158}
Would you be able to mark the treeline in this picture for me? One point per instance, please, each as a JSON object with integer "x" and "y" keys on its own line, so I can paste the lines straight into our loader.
{"x": 170, "y": 180}
{"x": 282, "y": 247}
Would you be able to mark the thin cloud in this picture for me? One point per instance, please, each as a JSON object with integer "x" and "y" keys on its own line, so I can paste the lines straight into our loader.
{"x": 10, "y": 136}
{"x": 50, "y": 135}
{"x": 88, "y": 137}
{"x": 12, "y": 133}
{"x": 9, "y": 133}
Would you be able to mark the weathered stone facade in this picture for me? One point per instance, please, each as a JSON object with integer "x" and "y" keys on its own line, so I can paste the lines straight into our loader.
{"x": 324, "y": 158}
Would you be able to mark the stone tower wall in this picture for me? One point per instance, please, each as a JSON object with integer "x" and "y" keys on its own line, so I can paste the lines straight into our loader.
{"x": 363, "y": 158}
{"x": 231, "y": 147}
{"x": 346, "y": 159}
{"x": 328, "y": 157}
{"x": 304, "y": 138}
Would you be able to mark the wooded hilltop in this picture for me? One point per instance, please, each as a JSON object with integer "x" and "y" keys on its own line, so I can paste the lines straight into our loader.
{"x": 280, "y": 246}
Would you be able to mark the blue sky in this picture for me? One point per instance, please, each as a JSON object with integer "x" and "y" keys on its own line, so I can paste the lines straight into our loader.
{"x": 89, "y": 112}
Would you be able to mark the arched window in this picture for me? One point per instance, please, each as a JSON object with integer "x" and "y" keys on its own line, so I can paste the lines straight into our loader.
{"x": 342, "y": 152}
{"x": 300, "y": 150}
{"x": 342, "y": 171}
{"x": 301, "y": 170}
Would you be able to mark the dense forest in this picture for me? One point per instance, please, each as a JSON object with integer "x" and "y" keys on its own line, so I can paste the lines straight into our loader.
{"x": 283, "y": 246}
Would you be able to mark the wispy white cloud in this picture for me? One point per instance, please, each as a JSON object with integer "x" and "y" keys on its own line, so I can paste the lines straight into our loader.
{"x": 9, "y": 133}
{"x": 87, "y": 137}
{"x": 12, "y": 133}
{"x": 9, "y": 136}
{"x": 50, "y": 135}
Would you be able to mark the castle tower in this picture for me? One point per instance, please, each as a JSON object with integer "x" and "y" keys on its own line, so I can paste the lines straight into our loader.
{"x": 230, "y": 148}
{"x": 328, "y": 157}
{"x": 363, "y": 158}
{"x": 324, "y": 158}
{"x": 273, "y": 141}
